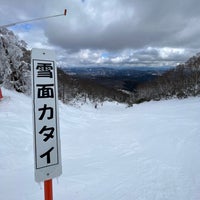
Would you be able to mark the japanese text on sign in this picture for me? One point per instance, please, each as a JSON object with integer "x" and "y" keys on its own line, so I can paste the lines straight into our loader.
{"x": 46, "y": 133}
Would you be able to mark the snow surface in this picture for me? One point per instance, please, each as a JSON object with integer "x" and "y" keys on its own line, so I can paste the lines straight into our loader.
{"x": 150, "y": 151}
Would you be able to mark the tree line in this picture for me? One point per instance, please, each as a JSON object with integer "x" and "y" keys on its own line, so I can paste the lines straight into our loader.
{"x": 181, "y": 82}
{"x": 72, "y": 90}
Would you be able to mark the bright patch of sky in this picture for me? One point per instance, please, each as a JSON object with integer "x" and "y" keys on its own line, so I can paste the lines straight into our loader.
{"x": 23, "y": 27}
{"x": 166, "y": 52}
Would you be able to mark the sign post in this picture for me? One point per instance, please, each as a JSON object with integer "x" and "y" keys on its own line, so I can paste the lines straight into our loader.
{"x": 48, "y": 190}
{"x": 45, "y": 119}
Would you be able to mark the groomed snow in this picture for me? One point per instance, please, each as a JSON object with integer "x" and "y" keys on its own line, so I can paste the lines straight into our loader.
{"x": 150, "y": 151}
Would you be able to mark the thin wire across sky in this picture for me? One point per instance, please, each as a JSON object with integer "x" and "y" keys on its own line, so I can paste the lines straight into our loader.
{"x": 36, "y": 19}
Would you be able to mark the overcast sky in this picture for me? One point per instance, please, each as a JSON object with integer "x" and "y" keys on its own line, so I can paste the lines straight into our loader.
{"x": 109, "y": 32}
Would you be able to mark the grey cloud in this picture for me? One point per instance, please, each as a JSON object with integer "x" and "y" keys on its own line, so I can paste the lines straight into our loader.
{"x": 141, "y": 57}
{"x": 114, "y": 26}
{"x": 130, "y": 24}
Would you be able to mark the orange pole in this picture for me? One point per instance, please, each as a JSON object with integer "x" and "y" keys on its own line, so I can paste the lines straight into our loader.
{"x": 1, "y": 96}
{"x": 48, "y": 190}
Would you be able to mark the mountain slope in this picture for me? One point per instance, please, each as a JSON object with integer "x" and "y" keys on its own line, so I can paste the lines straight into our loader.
{"x": 14, "y": 62}
{"x": 149, "y": 151}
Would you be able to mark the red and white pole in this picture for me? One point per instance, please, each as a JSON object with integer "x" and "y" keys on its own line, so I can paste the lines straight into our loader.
{"x": 31, "y": 20}
{"x": 48, "y": 190}
{"x": 1, "y": 96}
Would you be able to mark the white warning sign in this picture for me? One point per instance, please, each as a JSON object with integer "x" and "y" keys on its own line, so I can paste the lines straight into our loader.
{"x": 45, "y": 115}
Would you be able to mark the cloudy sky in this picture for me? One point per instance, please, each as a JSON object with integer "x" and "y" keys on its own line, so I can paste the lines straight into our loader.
{"x": 109, "y": 32}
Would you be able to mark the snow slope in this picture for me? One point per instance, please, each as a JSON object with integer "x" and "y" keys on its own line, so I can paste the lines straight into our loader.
{"x": 148, "y": 152}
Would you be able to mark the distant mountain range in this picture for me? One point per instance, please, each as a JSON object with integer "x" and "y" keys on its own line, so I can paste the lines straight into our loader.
{"x": 128, "y": 85}
{"x": 120, "y": 78}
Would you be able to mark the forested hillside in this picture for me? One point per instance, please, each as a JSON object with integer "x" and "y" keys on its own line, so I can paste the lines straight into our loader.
{"x": 14, "y": 62}
{"x": 180, "y": 82}
{"x": 72, "y": 90}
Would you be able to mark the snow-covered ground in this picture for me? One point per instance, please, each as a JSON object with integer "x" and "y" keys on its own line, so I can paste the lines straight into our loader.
{"x": 150, "y": 151}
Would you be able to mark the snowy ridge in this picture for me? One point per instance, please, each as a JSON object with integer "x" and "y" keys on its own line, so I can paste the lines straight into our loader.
{"x": 147, "y": 152}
